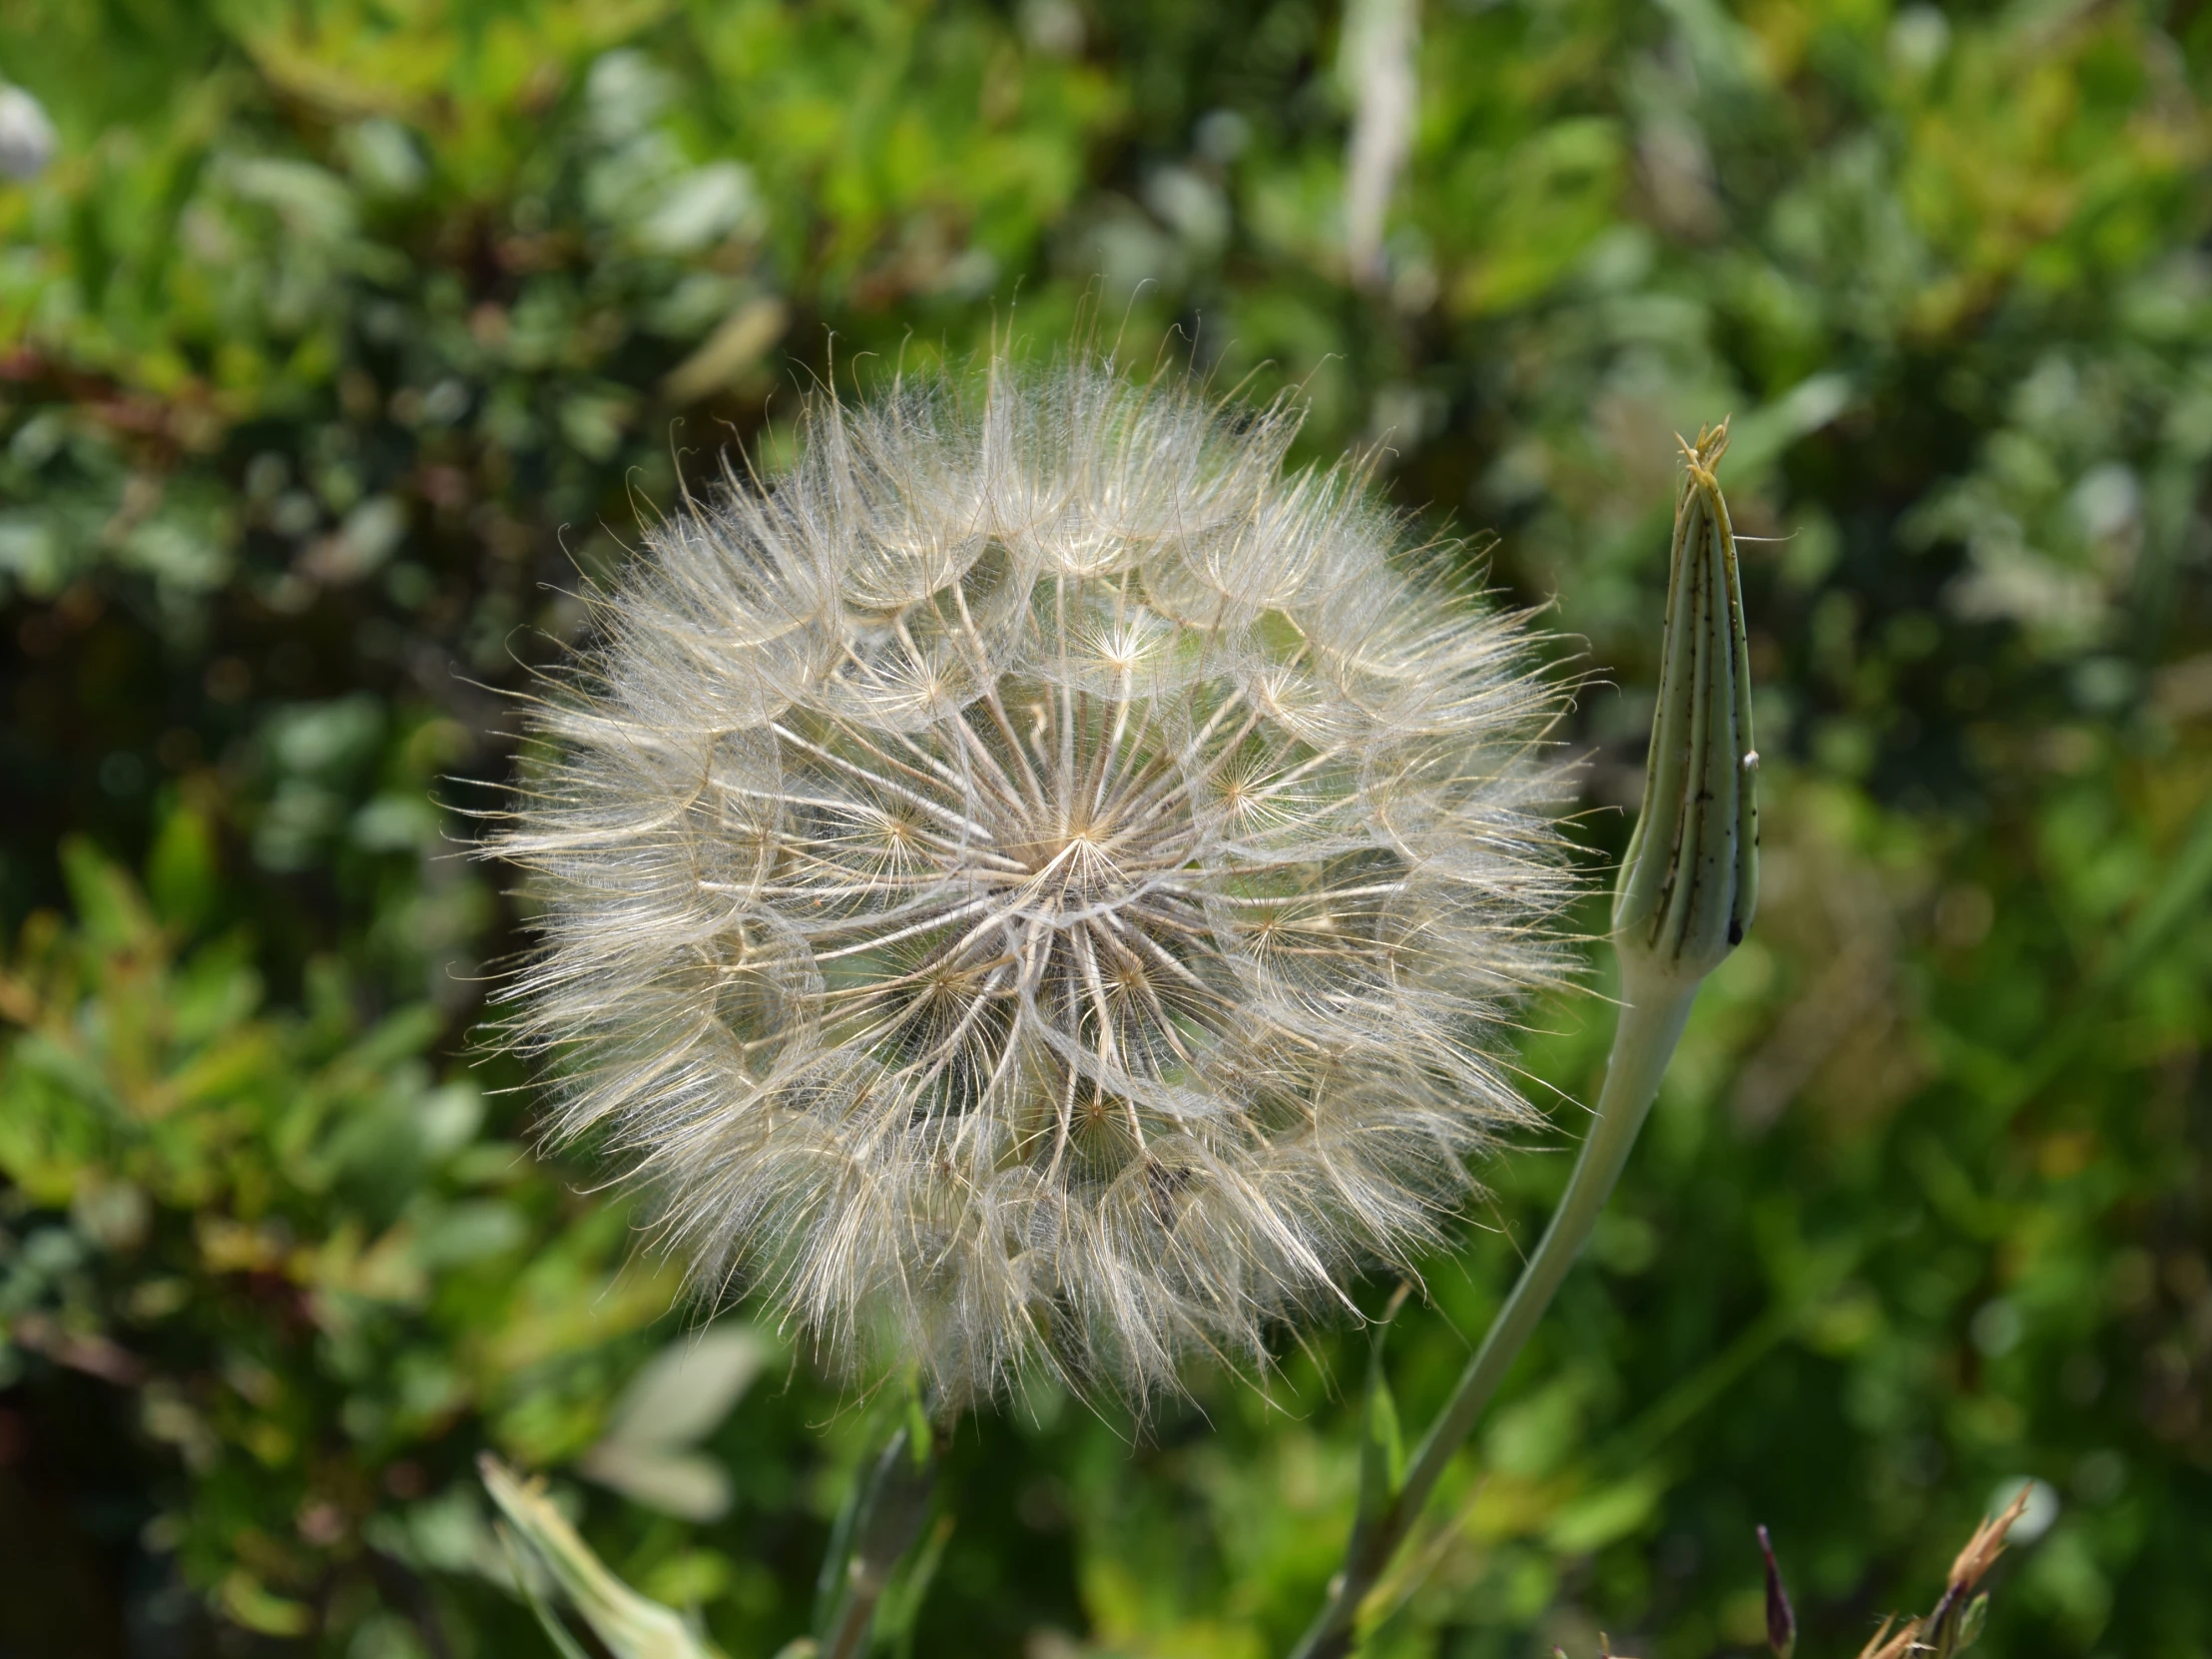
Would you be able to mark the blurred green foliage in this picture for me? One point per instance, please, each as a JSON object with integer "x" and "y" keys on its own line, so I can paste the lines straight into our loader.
{"x": 340, "y": 335}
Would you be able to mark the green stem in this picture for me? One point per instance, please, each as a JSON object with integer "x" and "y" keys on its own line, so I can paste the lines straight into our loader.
{"x": 1651, "y": 1024}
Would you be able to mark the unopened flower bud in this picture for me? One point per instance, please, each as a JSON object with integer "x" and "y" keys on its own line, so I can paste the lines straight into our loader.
{"x": 1691, "y": 879}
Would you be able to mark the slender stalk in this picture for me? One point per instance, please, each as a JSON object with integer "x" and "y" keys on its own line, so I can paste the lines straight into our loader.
{"x": 1642, "y": 1046}
{"x": 1643, "y": 1043}
{"x": 1685, "y": 896}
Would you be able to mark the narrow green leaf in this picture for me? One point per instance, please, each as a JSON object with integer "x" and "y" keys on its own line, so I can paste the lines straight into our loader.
{"x": 631, "y": 1626}
{"x": 1381, "y": 1444}
{"x": 901, "y": 1609}
{"x": 556, "y": 1632}
{"x": 1972, "y": 1621}
{"x": 829, "y": 1584}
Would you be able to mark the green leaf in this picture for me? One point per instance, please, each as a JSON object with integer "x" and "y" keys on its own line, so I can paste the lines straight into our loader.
{"x": 630, "y": 1625}
{"x": 1971, "y": 1622}
{"x": 897, "y": 1612}
{"x": 566, "y": 1645}
{"x": 181, "y": 872}
{"x": 1605, "y": 1515}
{"x": 109, "y": 905}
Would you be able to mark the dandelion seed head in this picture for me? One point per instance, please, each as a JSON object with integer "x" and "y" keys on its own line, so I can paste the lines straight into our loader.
{"x": 1040, "y": 888}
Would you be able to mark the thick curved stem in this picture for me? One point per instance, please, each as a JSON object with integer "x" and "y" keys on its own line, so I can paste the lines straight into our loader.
{"x": 1651, "y": 1024}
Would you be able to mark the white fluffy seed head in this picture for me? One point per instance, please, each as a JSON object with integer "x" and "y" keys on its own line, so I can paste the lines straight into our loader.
{"x": 1039, "y": 888}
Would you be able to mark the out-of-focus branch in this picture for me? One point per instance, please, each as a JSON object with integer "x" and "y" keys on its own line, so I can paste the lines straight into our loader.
{"x": 1381, "y": 42}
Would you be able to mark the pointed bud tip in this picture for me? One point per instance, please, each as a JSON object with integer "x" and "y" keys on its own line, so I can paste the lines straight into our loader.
{"x": 1688, "y": 885}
